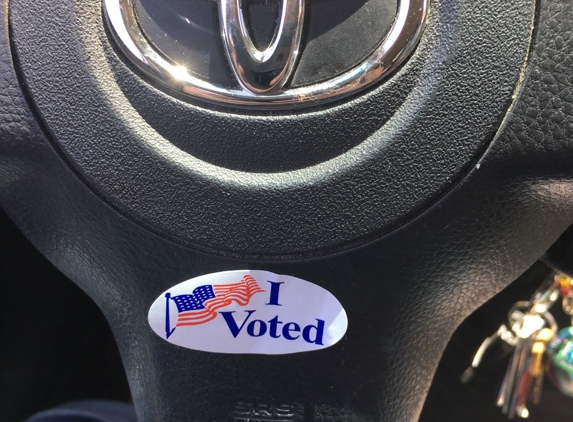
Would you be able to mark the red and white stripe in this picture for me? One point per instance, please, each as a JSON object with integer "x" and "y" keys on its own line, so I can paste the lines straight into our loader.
{"x": 225, "y": 294}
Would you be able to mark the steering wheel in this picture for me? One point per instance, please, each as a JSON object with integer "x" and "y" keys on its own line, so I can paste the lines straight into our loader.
{"x": 410, "y": 197}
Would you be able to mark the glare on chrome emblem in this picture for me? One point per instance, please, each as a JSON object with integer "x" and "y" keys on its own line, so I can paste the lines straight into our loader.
{"x": 262, "y": 72}
{"x": 263, "y": 76}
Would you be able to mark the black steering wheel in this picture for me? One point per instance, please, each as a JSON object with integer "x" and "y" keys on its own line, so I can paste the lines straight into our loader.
{"x": 410, "y": 196}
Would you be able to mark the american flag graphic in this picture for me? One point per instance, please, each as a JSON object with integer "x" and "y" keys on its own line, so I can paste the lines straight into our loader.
{"x": 201, "y": 306}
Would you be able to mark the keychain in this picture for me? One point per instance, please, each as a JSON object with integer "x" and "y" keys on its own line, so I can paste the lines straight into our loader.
{"x": 537, "y": 347}
{"x": 560, "y": 350}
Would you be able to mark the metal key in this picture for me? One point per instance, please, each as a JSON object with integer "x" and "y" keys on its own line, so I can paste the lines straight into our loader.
{"x": 530, "y": 327}
{"x": 537, "y": 363}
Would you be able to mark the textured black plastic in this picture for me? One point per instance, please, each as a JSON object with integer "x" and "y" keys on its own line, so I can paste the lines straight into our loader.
{"x": 60, "y": 349}
{"x": 404, "y": 293}
{"x": 405, "y": 141}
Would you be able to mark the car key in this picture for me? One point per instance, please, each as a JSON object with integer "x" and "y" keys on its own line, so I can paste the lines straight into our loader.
{"x": 529, "y": 329}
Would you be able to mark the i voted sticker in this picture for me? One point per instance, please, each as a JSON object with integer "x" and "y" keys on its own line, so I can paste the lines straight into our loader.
{"x": 248, "y": 311}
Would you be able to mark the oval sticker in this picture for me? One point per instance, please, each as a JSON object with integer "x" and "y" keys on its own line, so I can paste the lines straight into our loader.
{"x": 248, "y": 311}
